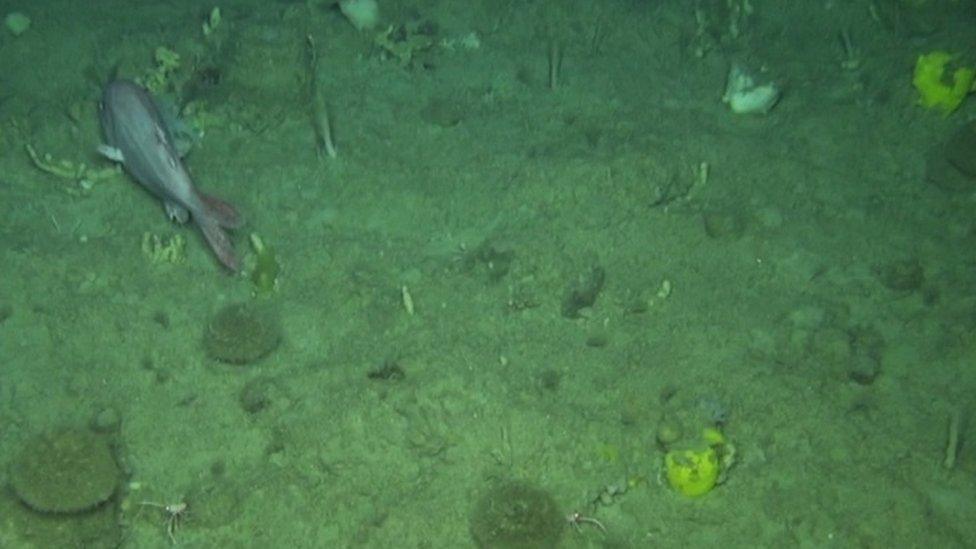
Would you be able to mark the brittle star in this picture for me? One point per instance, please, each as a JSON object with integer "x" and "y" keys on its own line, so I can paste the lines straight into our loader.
{"x": 576, "y": 520}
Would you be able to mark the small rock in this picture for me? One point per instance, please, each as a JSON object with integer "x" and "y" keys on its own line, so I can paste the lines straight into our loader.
{"x": 583, "y": 291}
{"x": 906, "y": 275}
{"x": 598, "y": 339}
{"x": 668, "y": 432}
{"x": 724, "y": 224}
{"x": 256, "y": 395}
{"x": 106, "y": 420}
{"x": 863, "y": 369}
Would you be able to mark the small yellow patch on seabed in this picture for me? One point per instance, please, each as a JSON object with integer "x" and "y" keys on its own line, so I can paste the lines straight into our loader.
{"x": 692, "y": 472}
{"x": 157, "y": 249}
{"x": 695, "y": 470}
{"x": 938, "y": 88}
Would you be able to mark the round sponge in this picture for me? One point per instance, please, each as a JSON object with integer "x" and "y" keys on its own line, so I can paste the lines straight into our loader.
{"x": 516, "y": 515}
{"x": 242, "y": 333}
{"x": 65, "y": 472}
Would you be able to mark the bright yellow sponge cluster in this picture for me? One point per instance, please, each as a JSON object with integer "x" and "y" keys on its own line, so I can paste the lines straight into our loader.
{"x": 936, "y": 89}
{"x": 695, "y": 471}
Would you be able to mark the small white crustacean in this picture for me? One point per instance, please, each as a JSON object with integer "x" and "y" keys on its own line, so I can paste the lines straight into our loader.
{"x": 175, "y": 513}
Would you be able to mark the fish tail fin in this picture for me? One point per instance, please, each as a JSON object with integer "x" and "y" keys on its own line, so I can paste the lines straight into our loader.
{"x": 221, "y": 212}
{"x": 219, "y": 242}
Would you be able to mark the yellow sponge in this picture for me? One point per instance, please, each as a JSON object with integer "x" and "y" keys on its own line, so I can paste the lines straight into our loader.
{"x": 692, "y": 472}
{"x": 936, "y": 90}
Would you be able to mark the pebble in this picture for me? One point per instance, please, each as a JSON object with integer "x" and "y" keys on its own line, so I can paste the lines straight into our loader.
{"x": 106, "y": 420}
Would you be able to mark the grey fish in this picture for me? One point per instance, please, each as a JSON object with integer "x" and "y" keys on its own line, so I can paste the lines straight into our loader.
{"x": 136, "y": 136}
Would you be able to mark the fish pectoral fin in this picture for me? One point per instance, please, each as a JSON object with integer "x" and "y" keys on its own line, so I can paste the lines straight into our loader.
{"x": 176, "y": 213}
{"x": 111, "y": 153}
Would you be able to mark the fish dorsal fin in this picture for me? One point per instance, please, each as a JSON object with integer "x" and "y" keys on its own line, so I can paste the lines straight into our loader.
{"x": 112, "y": 153}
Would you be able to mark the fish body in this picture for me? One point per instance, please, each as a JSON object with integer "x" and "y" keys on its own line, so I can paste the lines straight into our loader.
{"x": 136, "y": 136}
